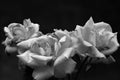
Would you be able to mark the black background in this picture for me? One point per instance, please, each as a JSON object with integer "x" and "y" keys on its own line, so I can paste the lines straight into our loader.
{"x": 60, "y": 14}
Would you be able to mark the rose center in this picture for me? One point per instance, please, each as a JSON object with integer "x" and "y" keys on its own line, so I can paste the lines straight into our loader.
{"x": 44, "y": 49}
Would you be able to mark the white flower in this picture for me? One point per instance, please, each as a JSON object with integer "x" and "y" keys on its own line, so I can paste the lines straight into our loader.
{"x": 17, "y": 32}
{"x": 95, "y": 39}
{"x": 49, "y": 56}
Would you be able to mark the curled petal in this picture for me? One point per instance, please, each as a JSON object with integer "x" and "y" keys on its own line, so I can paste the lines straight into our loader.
{"x": 27, "y": 23}
{"x": 13, "y": 27}
{"x": 57, "y": 46}
{"x": 68, "y": 52}
{"x": 27, "y": 43}
{"x": 32, "y": 59}
{"x": 32, "y": 28}
{"x": 63, "y": 66}
{"x": 65, "y": 42}
{"x": 95, "y": 53}
{"x": 51, "y": 40}
{"x": 63, "y": 39}
{"x": 86, "y": 48}
{"x": 8, "y": 32}
{"x": 41, "y": 59}
{"x": 16, "y": 31}
{"x": 78, "y": 32}
{"x": 102, "y": 25}
{"x": 42, "y": 73}
{"x": 103, "y": 37}
{"x": 26, "y": 58}
{"x": 112, "y": 44}
{"x": 60, "y": 33}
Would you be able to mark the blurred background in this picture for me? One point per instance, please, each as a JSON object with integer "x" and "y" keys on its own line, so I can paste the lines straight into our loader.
{"x": 60, "y": 14}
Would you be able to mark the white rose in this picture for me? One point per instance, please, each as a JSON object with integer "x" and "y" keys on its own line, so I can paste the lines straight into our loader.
{"x": 17, "y": 32}
{"x": 95, "y": 39}
{"x": 49, "y": 56}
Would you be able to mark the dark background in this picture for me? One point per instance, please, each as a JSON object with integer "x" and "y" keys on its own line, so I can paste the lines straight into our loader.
{"x": 60, "y": 14}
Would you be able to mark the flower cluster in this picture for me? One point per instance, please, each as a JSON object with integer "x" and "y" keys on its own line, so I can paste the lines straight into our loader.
{"x": 51, "y": 54}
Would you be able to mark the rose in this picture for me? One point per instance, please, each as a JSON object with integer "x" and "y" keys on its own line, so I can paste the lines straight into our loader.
{"x": 17, "y": 32}
{"x": 20, "y": 32}
{"x": 96, "y": 39}
{"x": 49, "y": 56}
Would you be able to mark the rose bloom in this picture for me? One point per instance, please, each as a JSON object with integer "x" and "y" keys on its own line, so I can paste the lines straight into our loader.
{"x": 96, "y": 40}
{"x": 49, "y": 55}
{"x": 17, "y": 32}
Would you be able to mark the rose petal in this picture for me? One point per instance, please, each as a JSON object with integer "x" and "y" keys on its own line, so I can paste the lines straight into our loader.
{"x": 68, "y": 52}
{"x": 102, "y": 25}
{"x": 42, "y": 73}
{"x": 8, "y": 32}
{"x": 27, "y": 43}
{"x": 112, "y": 44}
{"x": 78, "y": 32}
{"x": 63, "y": 66}
{"x": 57, "y": 46}
{"x": 41, "y": 59}
{"x": 93, "y": 51}
{"x": 52, "y": 42}
{"x": 10, "y": 49}
{"x": 27, "y": 23}
{"x": 88, "y": 32}
{"x": 63, "y": 39}
{"x": 102, "y": 38}
{"x": 19, "y": 34}
{"x": 67, "y": 43}
{"x": 60, "y": 33}
{"x": 26, "y": 58}
{"x": 86, "y": 48}
{"x": 31, "y": 28}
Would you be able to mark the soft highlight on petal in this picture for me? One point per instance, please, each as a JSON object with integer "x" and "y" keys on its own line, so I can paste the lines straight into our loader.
{"x": 88, "y": 32}
{"x": 26, "y": 58}
{"x": 8, "y": 32}
{"x": 112, "y": 44}
{"x": 63, "y": 66}
{"x": 42, "y": 73}
{"x": 10, "y": 49}
{"x": 27, "y": 43}
{"x": 41, "y": 59}
{"x": 102, "y": 25}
